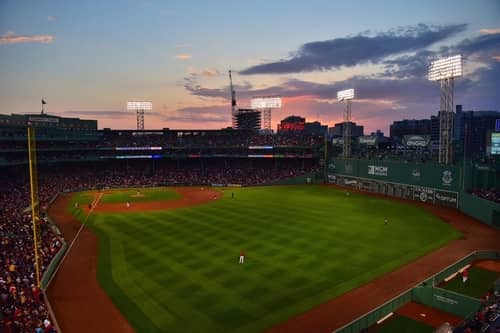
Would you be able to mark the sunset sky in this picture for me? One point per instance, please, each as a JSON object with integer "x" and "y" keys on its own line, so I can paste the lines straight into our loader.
{"x": 88, "y": 58}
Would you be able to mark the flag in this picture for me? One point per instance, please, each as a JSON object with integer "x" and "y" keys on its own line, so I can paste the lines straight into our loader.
{"x": 43, "y": 101}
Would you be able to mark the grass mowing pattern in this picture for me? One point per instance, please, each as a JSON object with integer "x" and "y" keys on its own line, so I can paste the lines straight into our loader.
{"x": 178, "y": 271}
{"x": 400, "y": 324}
{"x": 148, "y": 194}
{"x": 480, "y": 281}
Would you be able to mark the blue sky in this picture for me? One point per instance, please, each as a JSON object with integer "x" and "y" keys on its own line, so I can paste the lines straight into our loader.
{"x": 87, "y": 58}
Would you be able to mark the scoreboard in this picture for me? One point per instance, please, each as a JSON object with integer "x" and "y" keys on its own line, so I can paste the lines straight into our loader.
{"x": 495, "y": 143}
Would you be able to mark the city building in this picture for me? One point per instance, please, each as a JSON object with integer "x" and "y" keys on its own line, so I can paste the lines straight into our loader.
{"x": 292, "y": 124}
{"x": 248, "y": 119}
{"x": 474, "y": 128}
{"x": 338, "y": 130}
{"x": 400, "y": 128}
{"x": 41, "y": 120}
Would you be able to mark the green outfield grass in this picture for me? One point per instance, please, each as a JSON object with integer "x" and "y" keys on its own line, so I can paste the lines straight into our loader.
{"x": 479, "y": 282}
{"x": 147, "y": 194}
{"x": 400, "y": 324}
{"x": 178, "y": 271}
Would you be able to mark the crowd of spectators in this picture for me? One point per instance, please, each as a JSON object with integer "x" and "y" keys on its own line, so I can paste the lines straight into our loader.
{"x": 22, "y": 305}
{"x": 486, "y": 320}
{"x": 492, "y": 194}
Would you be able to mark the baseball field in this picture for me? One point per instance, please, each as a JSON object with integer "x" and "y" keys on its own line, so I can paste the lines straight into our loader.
{"x": 174, "y": 268}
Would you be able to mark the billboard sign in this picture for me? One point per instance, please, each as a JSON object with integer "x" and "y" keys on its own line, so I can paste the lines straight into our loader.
{"x": 368, "y": 140}
{"x": 416, "y": 141}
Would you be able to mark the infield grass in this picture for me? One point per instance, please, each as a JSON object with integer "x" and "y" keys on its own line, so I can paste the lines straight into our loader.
{"x": 178, "y": 271}
{"x": 146, "y": 194}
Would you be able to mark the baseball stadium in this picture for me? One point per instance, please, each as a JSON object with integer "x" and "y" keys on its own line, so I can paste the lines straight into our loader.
{"x": 251, "y": 227}
{"x": 142, "y": 231}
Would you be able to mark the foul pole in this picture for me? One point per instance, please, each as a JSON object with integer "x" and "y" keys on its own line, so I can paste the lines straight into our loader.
{"x": 35, "y": 203}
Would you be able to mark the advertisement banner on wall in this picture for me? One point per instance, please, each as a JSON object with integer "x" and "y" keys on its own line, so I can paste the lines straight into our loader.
{"x": 444, "y": 198}
{"x": 423, "y": 194}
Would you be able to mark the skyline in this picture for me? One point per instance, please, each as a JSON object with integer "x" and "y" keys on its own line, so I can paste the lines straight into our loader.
{"x": 88, "y": 59}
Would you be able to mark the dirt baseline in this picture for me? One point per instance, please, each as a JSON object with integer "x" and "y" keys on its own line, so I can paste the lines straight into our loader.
{"x": 189, "y": 196}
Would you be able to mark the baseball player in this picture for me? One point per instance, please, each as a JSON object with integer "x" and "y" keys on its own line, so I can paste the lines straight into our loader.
{"x": 465, "y": 275}
{"x": 128, "y": 204}
{"x": 242, "y": 257}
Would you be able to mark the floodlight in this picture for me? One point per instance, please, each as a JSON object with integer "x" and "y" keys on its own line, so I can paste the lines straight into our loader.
{"x": 136, "y": 105}
{"x": 266, "y": 102}
{"x": 139, "y": 107}
{"x": 344, "y": 95}
{"x": 446, "y": 68}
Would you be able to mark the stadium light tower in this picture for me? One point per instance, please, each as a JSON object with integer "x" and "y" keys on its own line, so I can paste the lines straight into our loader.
{"x": 264, "y": 104}
{"x": 139, "y": 108}
{"x": 445, "y": 71}
{"x": 346, "y": 97}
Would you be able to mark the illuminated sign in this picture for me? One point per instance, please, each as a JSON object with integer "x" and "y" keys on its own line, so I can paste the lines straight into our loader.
{"x": 495, "y": 143}
{"x": 132, "y": 156}
{"x": 445, "y": 68}
{"x": 266, "y": 102}
{"x": 139, "y": 105}
{"x": 260, "y": 147}
{"x": 138, "y": 148}
{"x": 345, "y": 95}
{"x": 497, "y": 125}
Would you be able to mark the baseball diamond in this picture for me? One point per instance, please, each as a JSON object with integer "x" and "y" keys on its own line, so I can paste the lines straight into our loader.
{"x": 301, "y": 249}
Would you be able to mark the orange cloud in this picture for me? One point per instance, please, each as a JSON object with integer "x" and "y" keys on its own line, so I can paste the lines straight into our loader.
{"x": 490, "y": 31}
{"x": 183, "y": 56}
{"x": 11, "y": 38}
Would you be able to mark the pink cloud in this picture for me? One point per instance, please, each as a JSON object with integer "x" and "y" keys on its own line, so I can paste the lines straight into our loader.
{"x": 490, "y": 31}
{"x": 183, "y": 56}
{"x": 11, "y": 38}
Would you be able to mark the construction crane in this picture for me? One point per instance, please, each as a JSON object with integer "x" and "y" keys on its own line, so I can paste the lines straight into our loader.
{"x": 234, "y": 108}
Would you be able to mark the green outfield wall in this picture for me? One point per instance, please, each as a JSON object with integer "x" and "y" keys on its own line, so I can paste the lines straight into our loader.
{"x": 431, "y": 175}
{"x": 484, "y": 210}
{"x": 426, "y": 182}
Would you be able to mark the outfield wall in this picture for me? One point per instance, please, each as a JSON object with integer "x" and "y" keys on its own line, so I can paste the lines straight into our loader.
{"x": 481, "y": 209}
{"x": 446, "y": 178}
{"x": 431, "y": 183}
